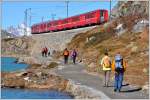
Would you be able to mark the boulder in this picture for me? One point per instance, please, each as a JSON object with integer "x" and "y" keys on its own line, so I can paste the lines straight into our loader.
{"x": 91, "y": 65}
{"x": 140, "y": 26}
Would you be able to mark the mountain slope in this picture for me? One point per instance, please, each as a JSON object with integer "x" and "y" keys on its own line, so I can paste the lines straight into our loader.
{"x": 132, "y": 44}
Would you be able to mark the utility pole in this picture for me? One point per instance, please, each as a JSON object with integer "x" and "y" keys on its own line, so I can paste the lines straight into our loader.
{"x": 30, "y": 18}
{"x": 67, "y": 2}
{"x": 25, "y": 22}
{"x": 110, "y": 11}
{"x": 42, "y": 18}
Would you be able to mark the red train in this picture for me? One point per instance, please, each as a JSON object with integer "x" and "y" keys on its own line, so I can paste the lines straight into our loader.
{"x": 86, "y": 19}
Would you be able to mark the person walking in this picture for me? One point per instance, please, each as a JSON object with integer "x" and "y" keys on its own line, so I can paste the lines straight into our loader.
{"x": 106, "y": 64}
{"x": 74, "y": 55}
{"x": 46, "y": 51}
{"x": 43, "y": 52}
{"x": 49, "y": 52}
{"x": 66, "y": 55}
{"x": 119, "y": 67}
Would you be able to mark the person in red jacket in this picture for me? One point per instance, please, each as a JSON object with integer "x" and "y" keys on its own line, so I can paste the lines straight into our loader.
{"x": 46, "y": 51}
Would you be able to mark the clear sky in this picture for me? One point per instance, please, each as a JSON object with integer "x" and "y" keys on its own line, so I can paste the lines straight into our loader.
{"x": 13, "y": 12}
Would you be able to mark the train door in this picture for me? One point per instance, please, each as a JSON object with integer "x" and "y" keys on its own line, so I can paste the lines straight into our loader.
{"x": 102, "y": 16}
{"x": 106, "y": 15}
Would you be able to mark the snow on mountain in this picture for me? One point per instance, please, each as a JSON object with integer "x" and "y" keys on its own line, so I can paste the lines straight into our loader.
{"x": 20, "y": 30}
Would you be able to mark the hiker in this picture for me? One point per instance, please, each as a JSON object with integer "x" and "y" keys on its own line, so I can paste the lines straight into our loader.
{"x": 46, "y": 51}
{"x": 66, "y": 55}
{"x": 106, "y": 64}
{"x": 119, "y": 67}
{"x": 43, "y": 51}
{"x": 49, "y": 53}
{"x": 74, "y": 55}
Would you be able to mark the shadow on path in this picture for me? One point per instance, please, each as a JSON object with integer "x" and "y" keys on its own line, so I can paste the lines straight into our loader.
{"x": 132, "y": 90}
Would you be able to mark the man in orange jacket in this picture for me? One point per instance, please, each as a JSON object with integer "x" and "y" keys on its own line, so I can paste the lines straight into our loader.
{"x": 66, "y": 55}
{"x": 119, "y": 67}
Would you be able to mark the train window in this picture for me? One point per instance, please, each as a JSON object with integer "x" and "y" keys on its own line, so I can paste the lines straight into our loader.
{"x": 44, "y": 25}
{"x": 75, "y": 19}
{"x": 65, "y": 21}
{"x": 101, "y": 13}
{"x": 55, "y": 23}
{"x": 91, "y": 15}
{"x": 49, "y": 24}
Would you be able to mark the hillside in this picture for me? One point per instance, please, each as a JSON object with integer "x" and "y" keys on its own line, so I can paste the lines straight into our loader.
{"x": 127, "y": 34}
{"x": 21, "y": 46}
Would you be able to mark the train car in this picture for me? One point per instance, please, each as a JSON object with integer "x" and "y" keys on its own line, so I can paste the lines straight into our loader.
{"x": 82, "y": 20}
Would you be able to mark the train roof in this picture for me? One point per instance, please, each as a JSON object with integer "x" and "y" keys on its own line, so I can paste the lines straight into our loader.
{"x": 68, "y": 17}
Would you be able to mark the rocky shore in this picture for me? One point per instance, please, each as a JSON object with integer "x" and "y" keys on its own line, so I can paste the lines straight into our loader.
{"x": 42, "y": 76}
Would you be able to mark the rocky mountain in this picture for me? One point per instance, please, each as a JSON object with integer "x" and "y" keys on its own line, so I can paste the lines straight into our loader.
{"x": 20, "y": 30}
{"x": 5, "y": 34}
{"x": 124, "y": 8}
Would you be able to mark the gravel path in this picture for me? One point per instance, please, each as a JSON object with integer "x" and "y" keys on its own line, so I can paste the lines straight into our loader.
{"x": 77, "y": 73}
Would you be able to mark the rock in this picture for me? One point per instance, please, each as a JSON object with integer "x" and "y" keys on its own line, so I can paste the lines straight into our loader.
{"x": 24, "y": 73}
{"x": 145, "y": 87}
{"x": 92, "y": 38}
{"x": 124, "y": 8}
{"x": 19, "y": 42}
{"x": 120, "y": 30}
{"x": 83, "y": 92}
{"x": 24, "y": 46}
{"x": 91, "y": 65}
{"x": 26, "y": 78}
{"x": 29, "y": 60}
{"x": 140, "y": 26}
{"x": 14, "y": 82}
{"x": 130, "y": 45}
{"x": 134, "y": 49}
{"x": 145, "y": 70}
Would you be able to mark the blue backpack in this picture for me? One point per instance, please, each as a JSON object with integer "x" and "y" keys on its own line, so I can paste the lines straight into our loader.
{"x": 118, "y": 61}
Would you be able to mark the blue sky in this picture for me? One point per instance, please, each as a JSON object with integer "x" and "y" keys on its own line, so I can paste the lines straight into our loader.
{"x": 13, "y": 12}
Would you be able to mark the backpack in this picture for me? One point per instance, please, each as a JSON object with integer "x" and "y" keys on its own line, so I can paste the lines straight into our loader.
{"x": 118, "y": 62}
{"x": 107, "y": 62}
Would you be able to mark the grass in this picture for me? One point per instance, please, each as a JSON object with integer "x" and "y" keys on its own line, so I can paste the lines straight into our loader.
{"x": 52, "y": 65}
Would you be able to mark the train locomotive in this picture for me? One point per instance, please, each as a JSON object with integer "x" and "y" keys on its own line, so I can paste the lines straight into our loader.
{"x": 87, "y": 19}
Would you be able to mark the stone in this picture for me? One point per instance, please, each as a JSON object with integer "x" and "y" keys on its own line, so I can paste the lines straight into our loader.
{"x": 145, "y": 70}
{"x": 92, "y": 38}
{"x": 134, "y": 49}
{"x": 145, "y": 87}
{"x": 140, "y": 26}
{"x": 130, "y": 45}
{"x": 91, "y": 65}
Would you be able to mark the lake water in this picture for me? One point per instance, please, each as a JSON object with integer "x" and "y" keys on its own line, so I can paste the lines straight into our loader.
{"x": 8, "y": 64}
{"x": 8, "y": 93}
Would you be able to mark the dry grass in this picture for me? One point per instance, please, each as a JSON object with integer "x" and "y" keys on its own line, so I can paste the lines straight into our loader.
{"x": 93, "y": 51}
{"x": 52, "y": 65}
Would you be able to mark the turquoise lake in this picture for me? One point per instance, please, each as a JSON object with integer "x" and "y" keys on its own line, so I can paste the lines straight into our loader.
{"x": 8, "y": 64}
